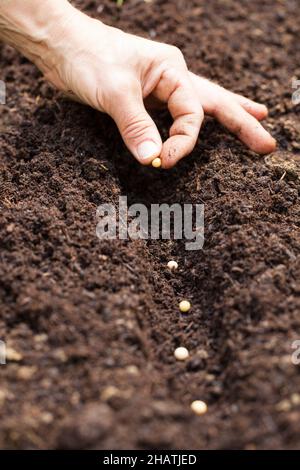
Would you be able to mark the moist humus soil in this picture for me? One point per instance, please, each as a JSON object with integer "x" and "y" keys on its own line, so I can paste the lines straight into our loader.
{"x": 92, "y": 325}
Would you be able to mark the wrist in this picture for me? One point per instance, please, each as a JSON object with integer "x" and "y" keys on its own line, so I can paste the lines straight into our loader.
{"x": 34, "y": 27}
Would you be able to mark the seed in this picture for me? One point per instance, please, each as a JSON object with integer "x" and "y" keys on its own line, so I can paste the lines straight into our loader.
{"x": 181, "y": 354}
{"x": 184, "y": 306}
{"x": 172, "y": 265}
{"x": 199, "y": 407}
{"x": 156, "y": 163}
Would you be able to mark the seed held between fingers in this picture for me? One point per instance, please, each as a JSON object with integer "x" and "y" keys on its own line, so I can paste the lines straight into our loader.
{"x": 156, "y": 163}
{"x": 184, "y": 306}
{"x": 181, "y": 354}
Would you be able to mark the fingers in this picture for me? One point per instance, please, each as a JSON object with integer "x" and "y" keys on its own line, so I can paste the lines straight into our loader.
{"x": 244, "y": 126}
{"x": 259, "y": 111}
{"x": 137, "y": 128}
{"x": 175, "y": 88}
{"x": 185, "y": 94}
{"x": 236, "y": 113}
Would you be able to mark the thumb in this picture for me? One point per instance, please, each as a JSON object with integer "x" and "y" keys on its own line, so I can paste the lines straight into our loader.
{"x": 137, "y": 128}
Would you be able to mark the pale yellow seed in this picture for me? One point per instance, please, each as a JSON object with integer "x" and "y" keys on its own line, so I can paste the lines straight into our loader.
{"x": 172, "y": 265}
{"x": 181, "y": 354}
{"x": 199, "y": 407}
{"x": 156, "y": 163}
{"x": 184, "y": 306}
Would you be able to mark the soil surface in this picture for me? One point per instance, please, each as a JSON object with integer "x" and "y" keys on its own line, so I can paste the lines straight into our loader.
{"x": 90, "y": 325}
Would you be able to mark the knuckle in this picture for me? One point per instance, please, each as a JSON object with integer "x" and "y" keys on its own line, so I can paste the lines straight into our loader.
{"x": 195, "y": 112}
{"x": 201, "y": 113}
{"x": 189, "y": 127}
{"x": 118, "y": 88}
{"x": 237, "y": 129}
{"x": 173, "y": 76}
{"x": 215, "y": 106}
{"x": 135, "y": 126}
{"x": 123, "y": 82}
{"x": 109, "y": 97}
{"x": 176, "y": 53}
{"x": 218, "y": 103}
{"x": 193, "y": 120}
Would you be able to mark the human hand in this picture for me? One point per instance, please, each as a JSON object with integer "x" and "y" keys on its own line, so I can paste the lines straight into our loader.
{"x": 120, "y": 74}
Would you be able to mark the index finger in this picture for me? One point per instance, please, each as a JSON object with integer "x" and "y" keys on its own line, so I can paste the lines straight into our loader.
{"x": 176, "y": 88}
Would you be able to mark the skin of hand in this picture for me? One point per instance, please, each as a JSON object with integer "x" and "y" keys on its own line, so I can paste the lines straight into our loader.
{"x": 121, "y": 74}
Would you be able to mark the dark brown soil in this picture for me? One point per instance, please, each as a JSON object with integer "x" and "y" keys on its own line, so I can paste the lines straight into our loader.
{"x": 95, "y": 323}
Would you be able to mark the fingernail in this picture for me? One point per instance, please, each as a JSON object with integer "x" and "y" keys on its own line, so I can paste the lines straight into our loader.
{"x": 147, "y": 150}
